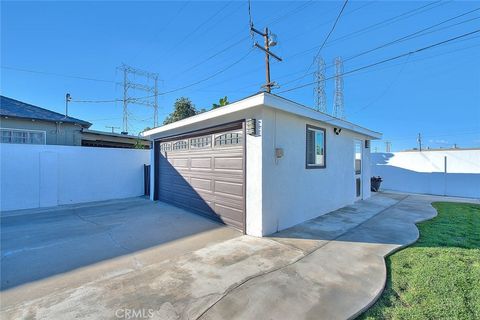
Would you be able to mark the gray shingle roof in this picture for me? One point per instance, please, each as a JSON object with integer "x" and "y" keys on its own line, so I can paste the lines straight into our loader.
{"x": 13, "y": 108}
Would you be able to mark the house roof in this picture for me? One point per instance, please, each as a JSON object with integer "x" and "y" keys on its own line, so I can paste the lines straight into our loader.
{"x": 14, "y": 108}
{"x": 271, "y": 101}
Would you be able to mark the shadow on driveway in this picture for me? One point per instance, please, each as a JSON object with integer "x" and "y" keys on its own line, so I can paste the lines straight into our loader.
{"x": 37, "y": 244}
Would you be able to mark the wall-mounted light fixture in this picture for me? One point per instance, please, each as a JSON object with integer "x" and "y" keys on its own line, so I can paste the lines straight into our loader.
{"x": 337, "y": 131}
{"x": 251, "y": 127}
{"x": 279, "y": 153}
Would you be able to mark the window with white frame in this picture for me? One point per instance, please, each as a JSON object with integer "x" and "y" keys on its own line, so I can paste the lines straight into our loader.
{"x": 8, "y": 135}
{"x": 315, "y": 148}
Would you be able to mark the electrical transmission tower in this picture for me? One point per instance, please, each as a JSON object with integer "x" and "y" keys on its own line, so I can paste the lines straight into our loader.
{"x": 148, "y": 83}
{"x": 319, "y": 90}
{"x": 338, "y": 106}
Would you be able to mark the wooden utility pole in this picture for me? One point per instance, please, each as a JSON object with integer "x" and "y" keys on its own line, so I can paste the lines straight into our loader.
{"x": 268, "y": 42}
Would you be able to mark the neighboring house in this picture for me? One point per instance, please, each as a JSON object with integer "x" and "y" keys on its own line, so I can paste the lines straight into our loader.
{"x": 261, "y": 164}
{"x": 93, "y": 138}
{"x": 21, "y": 122}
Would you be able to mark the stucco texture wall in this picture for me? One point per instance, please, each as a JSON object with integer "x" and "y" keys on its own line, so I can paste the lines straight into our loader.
{"x": 450, "y": 172}
{"x": 292, "y": 193}
{"x": 42, "y": 175}
{"x": 68, "y": 134}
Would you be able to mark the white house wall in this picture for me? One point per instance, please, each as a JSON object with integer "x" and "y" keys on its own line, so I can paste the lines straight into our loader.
{"x": 292, "y": 193}
{"x": 47, "y": 175}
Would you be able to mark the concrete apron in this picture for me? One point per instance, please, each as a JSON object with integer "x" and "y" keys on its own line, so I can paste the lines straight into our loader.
{"x": 331, "y": 267}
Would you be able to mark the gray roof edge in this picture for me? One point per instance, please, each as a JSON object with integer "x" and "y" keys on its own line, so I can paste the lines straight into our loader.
{"x": 65, "y": 119}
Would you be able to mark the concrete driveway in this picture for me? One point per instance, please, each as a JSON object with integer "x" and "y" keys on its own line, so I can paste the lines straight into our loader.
{"x": 331, "y": 267}
{"x": 60, "y": 248}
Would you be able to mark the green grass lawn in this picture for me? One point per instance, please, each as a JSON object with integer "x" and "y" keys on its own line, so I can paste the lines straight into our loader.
{"x": 438, "y": 277}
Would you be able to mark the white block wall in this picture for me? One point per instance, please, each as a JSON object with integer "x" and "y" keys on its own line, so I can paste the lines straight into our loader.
{"x": 425, "y": 172}
{"x": 33, "y": 176}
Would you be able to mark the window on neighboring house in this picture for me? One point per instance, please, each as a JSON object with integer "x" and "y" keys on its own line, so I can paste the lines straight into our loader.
{"x": 22, "y": 136}
{"x": 315, "y": 155}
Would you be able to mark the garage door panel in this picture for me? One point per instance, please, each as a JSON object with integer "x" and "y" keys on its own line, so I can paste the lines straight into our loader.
{"x": 231, "y": 188}
{"x": 206, "y": 174}
{"x": 231, "y": 163}
{"x": 201, "y": 183}
{"x": 201, "y": 163}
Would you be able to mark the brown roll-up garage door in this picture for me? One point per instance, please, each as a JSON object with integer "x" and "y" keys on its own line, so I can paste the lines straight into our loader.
{"x": 205, "y": 172}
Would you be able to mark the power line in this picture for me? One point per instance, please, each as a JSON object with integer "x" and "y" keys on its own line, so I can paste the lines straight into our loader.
{"x": 390, "y": 59}
{"x": 205, "y": 79}
{"x": 397, "y": 18}
{"x": 173, "y": 17}
{"x": 56, "y": 74}
{"x": 291, "y": 12}
{"x": 403, "y": 38}
{"x": 328, "y": 35}
{"x": 388, "y": 21}
{"x": 209, "y": 19}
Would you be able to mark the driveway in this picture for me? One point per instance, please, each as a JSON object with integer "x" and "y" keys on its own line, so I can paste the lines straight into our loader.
{"x": 331, "y": 267}
{"x": 59, "y": 248}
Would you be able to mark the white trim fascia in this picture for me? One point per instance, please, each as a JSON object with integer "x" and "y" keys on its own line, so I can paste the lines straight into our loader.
{"x": 271, "y": 101}
{"x": 283, "y": 104}
{"x": 244, "y": 104}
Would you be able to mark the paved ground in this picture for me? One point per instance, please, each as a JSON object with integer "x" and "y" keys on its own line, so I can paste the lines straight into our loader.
{"x": 50, "y": 249}
{"x": 331, "y": 267}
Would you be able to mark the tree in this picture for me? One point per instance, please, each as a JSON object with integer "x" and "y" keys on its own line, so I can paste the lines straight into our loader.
{"x": 183, "y": 108}
{"x": 221, "y": 103}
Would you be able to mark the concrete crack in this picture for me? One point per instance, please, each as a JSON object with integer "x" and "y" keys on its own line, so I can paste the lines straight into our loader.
{"x": 238, "y": 285}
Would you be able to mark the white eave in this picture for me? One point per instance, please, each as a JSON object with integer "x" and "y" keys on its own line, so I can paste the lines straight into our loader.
{"x": 271, "y": 101}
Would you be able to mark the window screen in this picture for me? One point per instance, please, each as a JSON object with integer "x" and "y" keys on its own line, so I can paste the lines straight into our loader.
{"x": 22, "y": 136}
{"x": 315, "y": 156}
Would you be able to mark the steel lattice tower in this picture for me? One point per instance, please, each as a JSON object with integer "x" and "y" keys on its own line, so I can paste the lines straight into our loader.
{"x": 144, "y": 85}
{"x": 338, "y": 104}
{"x": 319, "y": 90}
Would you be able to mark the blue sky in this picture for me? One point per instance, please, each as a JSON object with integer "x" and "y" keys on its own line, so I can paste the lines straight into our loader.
{"x": 435, "y": 92}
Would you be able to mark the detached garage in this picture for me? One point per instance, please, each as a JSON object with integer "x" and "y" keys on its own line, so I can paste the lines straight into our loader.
{"x": 261, "y": 164}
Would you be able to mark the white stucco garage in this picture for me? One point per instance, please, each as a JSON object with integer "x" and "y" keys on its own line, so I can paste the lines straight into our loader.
{"x": 261, "y": 164}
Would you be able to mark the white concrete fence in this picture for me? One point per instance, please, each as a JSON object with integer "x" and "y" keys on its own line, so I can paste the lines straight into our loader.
{"x": 33, "y": 176}
{"x": 445, "y": 172}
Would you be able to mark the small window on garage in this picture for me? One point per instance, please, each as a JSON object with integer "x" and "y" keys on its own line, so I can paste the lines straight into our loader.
{"x": 166, "y": 146}
{"x": 315, "y": 148}
{"x": 180, "y": 145}
{"x": 201, "y": 142}
{"x": 228, "y": 139}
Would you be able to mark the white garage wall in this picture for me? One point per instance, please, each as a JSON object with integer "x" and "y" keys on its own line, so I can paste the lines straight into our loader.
{"x": 425, "y": 172}
{"x": 35, "y": 176}
{"x": 292, "y": 193}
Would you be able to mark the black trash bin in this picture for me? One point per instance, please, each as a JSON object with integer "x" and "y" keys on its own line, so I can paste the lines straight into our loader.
{"x": 375, "y": 183}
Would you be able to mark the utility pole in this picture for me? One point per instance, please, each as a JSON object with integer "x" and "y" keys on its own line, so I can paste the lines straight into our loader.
{"x": 419, "y": 140}
{"x": 144, "y": 83}
{"x": 388, "y": 146}
{"x": 270, "y": 40}
{"x": 125, "y": 103}
{"x": 113, "y": 128}
{"x": 68, "y": 98}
